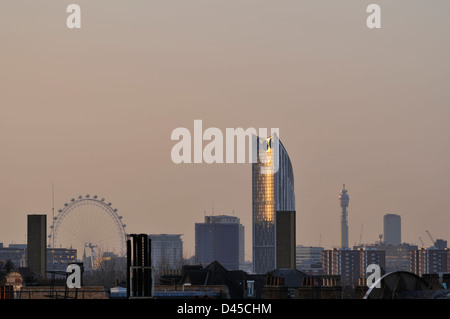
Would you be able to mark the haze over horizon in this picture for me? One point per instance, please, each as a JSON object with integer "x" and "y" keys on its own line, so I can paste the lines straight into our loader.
{"x": 92, "y": 111}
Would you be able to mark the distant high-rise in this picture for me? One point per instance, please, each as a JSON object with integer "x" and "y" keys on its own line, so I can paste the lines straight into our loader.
{"x": 344, "y": 199}
{"x": 272, "y": 194}
{"x": 36, "y": 244}
{"x": 392, "y": 229}
{"x": 350, "y": 264}
{"x": 220, "y": 238}
{"x": 429, "y": 261}
{"x": 309, "y": 260}
{"x": 166, "y": 251}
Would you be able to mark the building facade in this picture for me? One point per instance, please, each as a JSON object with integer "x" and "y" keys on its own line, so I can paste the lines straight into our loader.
{"x": 166, "y": 251}
{"x": 16, "y": 253}
{"x": 429, "y": 260}
{"x": 220, "y": 238}
{"x": 36, "y": 244}
{"x": 272, "y": 192}
{"x": 351, "y": 264}
{"x": 59, "y": 258}
{"x": 309, "y": 260}
{"x": 392, "y": 227}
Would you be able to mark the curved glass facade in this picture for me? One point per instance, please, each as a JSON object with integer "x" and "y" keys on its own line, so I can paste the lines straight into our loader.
{"x": 273, "y": 190}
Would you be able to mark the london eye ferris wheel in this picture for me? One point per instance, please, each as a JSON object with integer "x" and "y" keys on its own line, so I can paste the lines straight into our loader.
{"x": 88, "y": 223}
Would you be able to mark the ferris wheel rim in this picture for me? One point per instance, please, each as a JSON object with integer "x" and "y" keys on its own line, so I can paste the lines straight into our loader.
{"x": 88, "y": 200}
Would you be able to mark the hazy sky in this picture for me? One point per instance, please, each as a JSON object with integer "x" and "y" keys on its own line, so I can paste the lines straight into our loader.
{"x": 92, "y": 110}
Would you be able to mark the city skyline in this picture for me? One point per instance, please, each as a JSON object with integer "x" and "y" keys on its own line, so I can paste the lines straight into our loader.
{"x": 91, "y": 111}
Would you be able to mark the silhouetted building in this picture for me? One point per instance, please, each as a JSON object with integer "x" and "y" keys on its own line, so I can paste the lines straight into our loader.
{"x": 351, "y": 265}
{"x": 309, "y": 260}
{"x": 440, "y": 244}
{"x": 166, "y": 251}
{"x": 397, "y": 257}
{"x": 219, "y": 238}
{"x": 59, "y": 258}
{"x": 429, "y": 261}
{"x": 392, "y": 229}
{"x": 36, "y": 244}
{"x": 240, "y": 285}
{"x": 17, "y": 253}
{"x": 273, "y": 191}
{"x": 285, "y": 230}
{"x": 370, "y": 256}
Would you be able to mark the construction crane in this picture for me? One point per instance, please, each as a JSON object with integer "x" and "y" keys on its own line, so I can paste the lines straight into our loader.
{"x": 420, "y": 238}
{"x": 431, "y": 237}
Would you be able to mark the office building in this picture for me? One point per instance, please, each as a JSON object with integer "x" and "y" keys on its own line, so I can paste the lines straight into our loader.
{"x": 36, "y": 244}
{"x": 272, "y": 192}
{"x": 309, "y": 260}
{"x": 166, "y": 251}
{"x": 219, "y": 238}
{"x": 17, "y": 253}
{"x": 351, "y": 265}
{"x": 59, "y": 258}
{"x": 429, "y": 260}
{"x": 392, "y": 229}
{"x": 371, "y": 256}
{"x": 397, "y": 257}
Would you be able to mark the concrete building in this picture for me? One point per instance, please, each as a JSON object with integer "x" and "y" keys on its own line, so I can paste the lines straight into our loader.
{"x": 351, "y": 265}
{"x": 309, "y": 260}
{"x": 285, "y": 240}
{"x": 397, "y": 257}
{"x": 371, "y": 256}
{"x": 219, "y": 238}
{"x": 272, "y": 192}
{"x": 429, "y": 260}
{"x": 36, "y": 244}
{"x": 392, "y": 227}
{"x": 14, "y": 252}
{"x": 59, "y": 258}
{"x": 166, "y": 251}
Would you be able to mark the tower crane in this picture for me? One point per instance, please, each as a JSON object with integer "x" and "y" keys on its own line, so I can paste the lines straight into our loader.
{"x": 431, "y": 237}
{"x": 420, "y": 238}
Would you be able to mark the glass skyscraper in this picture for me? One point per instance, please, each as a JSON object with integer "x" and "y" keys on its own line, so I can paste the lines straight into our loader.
{"x": 273, "y": 191}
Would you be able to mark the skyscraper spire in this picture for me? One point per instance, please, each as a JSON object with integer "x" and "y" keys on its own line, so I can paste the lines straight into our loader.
{"x": 344, "y": 199}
